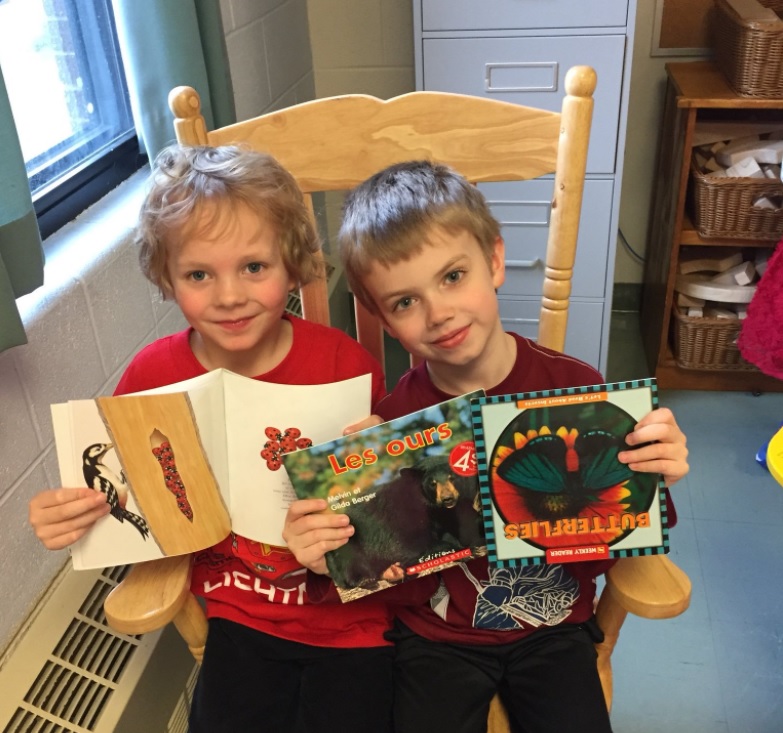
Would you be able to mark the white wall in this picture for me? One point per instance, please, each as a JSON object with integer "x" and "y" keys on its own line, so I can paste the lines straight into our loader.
{"x": 95, "y": 309}
{"x": 362, "y": 47}
{"x": 269, "y": 54}
{"x": 359, "y": 47}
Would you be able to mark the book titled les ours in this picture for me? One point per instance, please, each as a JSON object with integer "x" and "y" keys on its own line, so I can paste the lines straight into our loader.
{"x": 552, "y": 487}
{"x": 410, "y": 488}
{"x": 184, "y": 465}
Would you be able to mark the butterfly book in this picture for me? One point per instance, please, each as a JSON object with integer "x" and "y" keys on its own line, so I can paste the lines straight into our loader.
{"x": 182, "y": 466}
{"x": 552, "y": 488}
{"x": 410, "y": 488}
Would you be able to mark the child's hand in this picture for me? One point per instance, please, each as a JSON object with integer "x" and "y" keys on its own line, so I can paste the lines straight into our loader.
{"x": 310, "y": 534}
{"x": 368, "y": 422}
{"x": 667, "y": 455}
{"x": 61, "y": 516}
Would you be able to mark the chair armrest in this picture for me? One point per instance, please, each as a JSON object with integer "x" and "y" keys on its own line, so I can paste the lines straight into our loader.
{"x": 651, "y": 586}
{"x": 150, "y": 596}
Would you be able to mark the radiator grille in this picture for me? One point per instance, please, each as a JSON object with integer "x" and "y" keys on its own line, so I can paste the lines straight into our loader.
{"x": 81, "y": 673}
{"x": 294, "y": 303}
{"x": 178, "y": 723}
{"x": 69, "y": 696}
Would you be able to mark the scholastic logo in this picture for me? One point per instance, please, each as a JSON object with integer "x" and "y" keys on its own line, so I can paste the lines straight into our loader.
{"x": 438, "y": 561}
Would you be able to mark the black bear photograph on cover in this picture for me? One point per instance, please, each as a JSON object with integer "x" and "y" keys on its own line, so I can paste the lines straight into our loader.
{"x": 410, "y": 488}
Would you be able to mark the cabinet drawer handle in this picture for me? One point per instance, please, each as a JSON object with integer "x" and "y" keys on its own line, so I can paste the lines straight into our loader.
{"x": 526, "y": 264}
{"x": 529, "y": 76}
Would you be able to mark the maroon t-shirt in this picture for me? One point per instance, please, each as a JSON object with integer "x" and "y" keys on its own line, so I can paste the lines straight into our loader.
{"x": 471, "y": 603}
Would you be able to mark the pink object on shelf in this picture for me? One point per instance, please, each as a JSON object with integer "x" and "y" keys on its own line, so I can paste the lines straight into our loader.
{"x": 761, "y": 336}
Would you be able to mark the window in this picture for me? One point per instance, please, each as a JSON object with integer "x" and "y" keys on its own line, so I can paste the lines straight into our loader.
{"x": 63, "y": 72}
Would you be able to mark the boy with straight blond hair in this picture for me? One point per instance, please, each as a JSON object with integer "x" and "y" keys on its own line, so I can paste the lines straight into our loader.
{"x": 422, "y": 251}
{"x": 225, "y": 232}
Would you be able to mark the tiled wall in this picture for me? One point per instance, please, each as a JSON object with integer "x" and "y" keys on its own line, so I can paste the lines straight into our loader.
{"x": 359, "y": 47}
{"x": 96, "y": 310}
{"x": 269, "y": 52}
{"x": 362, "y": 47}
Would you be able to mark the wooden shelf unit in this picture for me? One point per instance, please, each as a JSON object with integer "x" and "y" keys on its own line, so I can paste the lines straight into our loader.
{"x": 695, "y": 91}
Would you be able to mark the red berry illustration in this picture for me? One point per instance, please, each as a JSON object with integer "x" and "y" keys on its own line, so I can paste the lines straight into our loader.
{"x": 304, "y": 443}
{"x": 293, "y": 432}
{"x": 273, "y": 433}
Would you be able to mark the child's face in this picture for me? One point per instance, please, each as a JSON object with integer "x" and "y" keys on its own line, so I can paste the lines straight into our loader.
{"x": 441, "y": 303}
{"x": 232, "y": 287}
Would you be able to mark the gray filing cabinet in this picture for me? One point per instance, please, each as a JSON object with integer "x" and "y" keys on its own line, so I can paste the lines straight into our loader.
{"x": 519, "y": 51}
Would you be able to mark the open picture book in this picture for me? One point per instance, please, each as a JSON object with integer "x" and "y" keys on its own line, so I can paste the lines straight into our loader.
{"x": 184, "y": 465}
{"x": 410, "y": 488}
{"x": 552, "y": 487}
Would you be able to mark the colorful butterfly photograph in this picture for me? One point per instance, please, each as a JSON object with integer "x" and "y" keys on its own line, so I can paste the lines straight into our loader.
{"x": 560, "y": 462}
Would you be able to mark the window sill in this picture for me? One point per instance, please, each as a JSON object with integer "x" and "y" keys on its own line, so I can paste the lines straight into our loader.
{"x": 81, "y": 246}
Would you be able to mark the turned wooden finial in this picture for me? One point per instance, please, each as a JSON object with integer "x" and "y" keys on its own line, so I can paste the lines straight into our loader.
{"x": 580, "y": 81}
{"x": 185, "y": 104}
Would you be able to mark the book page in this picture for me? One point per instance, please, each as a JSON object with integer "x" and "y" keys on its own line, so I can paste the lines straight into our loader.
{"x": 266, "y": 420}
{"x": 216, "y": 426}
{"x": 109, "y": 542}
{"x": 206, "y": 395}
{"x": 167, "y": 470}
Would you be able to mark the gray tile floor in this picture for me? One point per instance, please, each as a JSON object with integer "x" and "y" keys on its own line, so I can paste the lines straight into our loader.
{"x": 718, "y": 668}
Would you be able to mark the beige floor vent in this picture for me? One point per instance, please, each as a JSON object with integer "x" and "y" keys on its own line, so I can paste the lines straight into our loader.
{"x": 69, "y": 672}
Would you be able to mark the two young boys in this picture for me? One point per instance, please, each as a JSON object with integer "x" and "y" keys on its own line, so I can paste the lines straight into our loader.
{"x": 421, "y": 250}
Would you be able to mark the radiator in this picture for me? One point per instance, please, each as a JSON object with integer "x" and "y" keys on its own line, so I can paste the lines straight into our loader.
{"x": 67, "y": 671}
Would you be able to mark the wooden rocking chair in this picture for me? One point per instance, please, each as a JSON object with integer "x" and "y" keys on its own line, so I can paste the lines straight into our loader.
{"x": 334, "y": 144}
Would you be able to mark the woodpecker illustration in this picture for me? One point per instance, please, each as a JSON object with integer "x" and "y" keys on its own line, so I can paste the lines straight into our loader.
{"x": 101, "y": 478}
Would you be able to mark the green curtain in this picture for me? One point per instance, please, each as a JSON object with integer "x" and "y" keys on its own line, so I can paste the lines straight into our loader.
{"x": 168, "y": 43}
{"x": 21, "y": 253}
{"x": 165, "y": 43}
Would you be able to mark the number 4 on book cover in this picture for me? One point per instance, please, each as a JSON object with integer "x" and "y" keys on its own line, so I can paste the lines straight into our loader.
{"x": 552, "y": 487}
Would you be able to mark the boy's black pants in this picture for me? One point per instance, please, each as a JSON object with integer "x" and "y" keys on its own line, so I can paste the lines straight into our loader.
{"x": 251, "y": 682}
{"x": 548, "y": 682}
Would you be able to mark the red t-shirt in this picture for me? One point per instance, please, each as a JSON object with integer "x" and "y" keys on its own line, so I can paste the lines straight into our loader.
{"x": 258, "y": 585}
{"x": 472, "y": 603}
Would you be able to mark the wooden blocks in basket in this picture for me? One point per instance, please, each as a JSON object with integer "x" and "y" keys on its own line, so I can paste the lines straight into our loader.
{"x": 712, "y": 288}
{"x": 748, "y": 45}
{"x": 708, "y": 343}
{"x": 737, "y": 192}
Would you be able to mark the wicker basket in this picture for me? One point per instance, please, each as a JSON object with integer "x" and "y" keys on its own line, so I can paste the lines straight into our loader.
{"x": 708, "y": 343}
{"x": 749, "y": 52}
{"x": 723, "y": 207}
